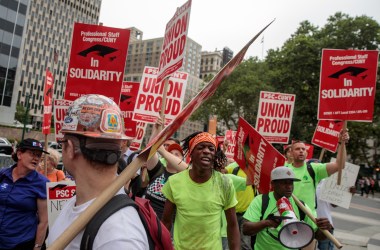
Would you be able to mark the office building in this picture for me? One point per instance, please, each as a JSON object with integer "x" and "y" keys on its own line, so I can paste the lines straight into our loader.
{"x": 48, "y": 34}
{"x": 13, "y": 16}
{"x": 211, "y": 63}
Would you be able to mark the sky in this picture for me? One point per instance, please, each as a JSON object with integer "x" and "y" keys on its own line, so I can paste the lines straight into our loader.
{"x": 232, "y": 23}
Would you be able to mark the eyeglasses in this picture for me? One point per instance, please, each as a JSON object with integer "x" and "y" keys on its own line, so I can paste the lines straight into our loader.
{"x": 61, "y": 142}
{"x": 35, "y": 153}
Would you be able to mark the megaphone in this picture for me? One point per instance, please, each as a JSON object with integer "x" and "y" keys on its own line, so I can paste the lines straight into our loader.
{"x": 294, "y": 234}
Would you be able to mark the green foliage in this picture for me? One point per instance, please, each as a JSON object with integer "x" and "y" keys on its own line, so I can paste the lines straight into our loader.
{"x": 237, "y": 95}
{"x": 20, "y": 113}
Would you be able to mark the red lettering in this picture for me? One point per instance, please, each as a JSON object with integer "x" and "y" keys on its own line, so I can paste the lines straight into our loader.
{"x": 141, "y": 101}
{"x": 280, "y": 110}
{"x": 175, "y": 89}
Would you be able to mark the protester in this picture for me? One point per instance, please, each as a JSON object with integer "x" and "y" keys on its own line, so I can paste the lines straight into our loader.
{"x": 324, "y": 210}
{"x": 23, "y": 207}
{"x": 134, "y": 186}
{"x": 367, "y": 186}
{"x": 52, "y": 160}
{"x": 244, "y": 198}
{"x": 305, "y": 189}
{"x": 93, "y": 131}
{"x": 158, "y": 174}
{"x": 264, "y": 224}
{"x": 199, "y": 195}
{"x": 362, "y": 185}
{"x": 371, "y": 186}
{"x": 288, "y": 155}
{"x": 240, "y": 184}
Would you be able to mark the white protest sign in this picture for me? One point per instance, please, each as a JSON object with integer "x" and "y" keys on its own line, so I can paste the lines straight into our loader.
{"x": 230, "y": 138}
{"x": 140, "y": 132}
{"x": 173, "y": 47}
{"x": 340, "y": 194}
{"x": 149, "y": 98}
{"x": 60, "y": 108}
{"x": 274, "y": 117}
{"x": 57, "y": 195}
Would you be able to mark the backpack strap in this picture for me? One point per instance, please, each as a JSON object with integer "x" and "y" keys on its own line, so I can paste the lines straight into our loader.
{"x": 311, "y": 172}
{"x": 301, "y": 212}
{"x": 115, "y": 204}
{"x": 312, "y": 175}
{"x": 265, "y": 202}
{"x": 235, "y": 170}
{"x": 264, "y": 205}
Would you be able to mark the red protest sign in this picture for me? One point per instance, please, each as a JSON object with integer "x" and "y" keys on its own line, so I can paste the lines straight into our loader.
{"x": 309, "y": 150}
{"x": 200, "y": 98}
{"x": 274, "y": 117}
{"x": 48, "y": 99}
{"x": 61, "y": 191}
{"x": 256, "y": 156}
{"x": 173, "y": 47}
{"x": 230, "y": 139}
{"x": 60, "y": 108}
{"x": 97, "y": 61}
{"x": 149, "y": 99}
{"x": 326, "y": 134}
{"x": 140, "y": 132}
{"x": 128, "y": 97}
{"x": 347, "y": 85}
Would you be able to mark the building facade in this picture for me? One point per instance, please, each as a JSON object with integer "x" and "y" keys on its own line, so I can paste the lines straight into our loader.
{"x": 211, "y": 63}
{"x": 48, "y": 34}
{"x": 13, "y": 15}
{"x": 147, "y": 52}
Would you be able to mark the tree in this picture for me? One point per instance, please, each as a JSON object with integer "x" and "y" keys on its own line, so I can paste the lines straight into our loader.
{"x": 237, "y": 95}
{"x": 20, "y": 113}
{"x": 295, "y": 68}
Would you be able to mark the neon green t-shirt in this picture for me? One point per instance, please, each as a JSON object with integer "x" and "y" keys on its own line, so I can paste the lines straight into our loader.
{"x": 245, "y": 197}
{"x": 240, "y": 184}
{"x": 263, "y": 240}
{"x": 199, "y": 209}
{"x": 304, "y": 189}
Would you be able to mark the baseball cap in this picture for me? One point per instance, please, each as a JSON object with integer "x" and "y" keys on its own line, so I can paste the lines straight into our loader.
{"x": 175, "y": 146}
{"x": 283, "y": 173}
{"x": 31, "y": 144}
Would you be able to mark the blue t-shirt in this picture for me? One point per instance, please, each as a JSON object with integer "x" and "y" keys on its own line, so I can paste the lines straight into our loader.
{"x": 18, "y": 207}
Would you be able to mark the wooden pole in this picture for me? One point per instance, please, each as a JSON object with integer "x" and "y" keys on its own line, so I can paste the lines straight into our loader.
{"x": 342, "y": 149}
{"x": 163, "y": 104}
{"x": 324, "y": 231}
{"x": 45, "y": 157}
{"x": 322, "y": 154}
{"x": 79, "y": 224}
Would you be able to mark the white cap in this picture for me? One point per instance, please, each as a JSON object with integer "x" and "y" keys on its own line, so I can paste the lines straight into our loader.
{"x": 283, "y": 173}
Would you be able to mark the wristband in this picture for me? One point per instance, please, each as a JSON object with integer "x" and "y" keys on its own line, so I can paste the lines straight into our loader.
{"x": 37, "y": 245}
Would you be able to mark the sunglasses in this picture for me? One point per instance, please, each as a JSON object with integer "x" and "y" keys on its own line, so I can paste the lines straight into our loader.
{"x": 61, "y": 142}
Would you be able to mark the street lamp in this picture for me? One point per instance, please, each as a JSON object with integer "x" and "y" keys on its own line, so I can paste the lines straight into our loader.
{"x": 27, "y": 97}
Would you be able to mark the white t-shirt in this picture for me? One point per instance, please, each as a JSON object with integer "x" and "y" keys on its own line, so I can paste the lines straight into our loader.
{"x": 323, "y": 207}
{"x": 122, "y": 230}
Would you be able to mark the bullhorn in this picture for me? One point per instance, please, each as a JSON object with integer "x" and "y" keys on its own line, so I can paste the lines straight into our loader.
{"x": 294, "y": 233}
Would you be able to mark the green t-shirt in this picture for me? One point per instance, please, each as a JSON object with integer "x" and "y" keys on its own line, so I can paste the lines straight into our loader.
{"x": 304, "y": 189}
{"x": 263, "y": 240}
{"x": 245, "y": 197}
{"x": 240, "y": 184}
{"x": 199, "y": 209}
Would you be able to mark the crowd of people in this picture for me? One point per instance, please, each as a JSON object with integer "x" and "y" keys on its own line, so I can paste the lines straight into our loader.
{"x": 205, "y": 203}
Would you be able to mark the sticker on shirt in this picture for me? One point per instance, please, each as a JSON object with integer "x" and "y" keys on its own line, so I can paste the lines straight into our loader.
{"x": 111, "y": 122}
